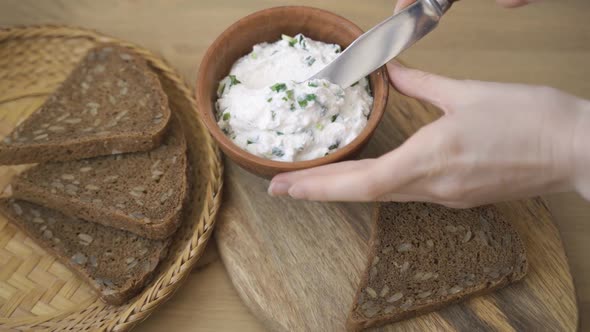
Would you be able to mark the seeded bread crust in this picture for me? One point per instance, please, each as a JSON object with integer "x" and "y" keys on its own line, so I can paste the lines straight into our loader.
{"x": 141, "y": 192}
{"x": 111, "y": 103}
{"x": 117, "y": 264}
{"x": 424, "y": 257}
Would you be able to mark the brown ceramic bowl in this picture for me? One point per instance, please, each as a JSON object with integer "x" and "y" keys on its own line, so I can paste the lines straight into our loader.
{"x": 267, "y": 26}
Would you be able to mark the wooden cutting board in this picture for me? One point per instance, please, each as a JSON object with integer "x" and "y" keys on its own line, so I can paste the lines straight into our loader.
{"x": 297, "y": 264}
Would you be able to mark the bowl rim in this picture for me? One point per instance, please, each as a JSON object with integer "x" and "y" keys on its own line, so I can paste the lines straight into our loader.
{"x": 286, "y": 166}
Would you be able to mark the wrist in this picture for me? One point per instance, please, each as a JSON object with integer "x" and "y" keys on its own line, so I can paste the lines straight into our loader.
{"x": 581, "y": 151}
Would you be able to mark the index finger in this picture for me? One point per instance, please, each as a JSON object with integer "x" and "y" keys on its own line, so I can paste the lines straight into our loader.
{"x": 358, "y": 180}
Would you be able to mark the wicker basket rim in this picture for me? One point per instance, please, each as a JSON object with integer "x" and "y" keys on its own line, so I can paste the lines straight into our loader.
{"x": 167, "y": 283}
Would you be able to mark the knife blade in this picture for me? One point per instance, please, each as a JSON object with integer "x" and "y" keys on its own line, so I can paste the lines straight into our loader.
{"x": 384, "y": 42}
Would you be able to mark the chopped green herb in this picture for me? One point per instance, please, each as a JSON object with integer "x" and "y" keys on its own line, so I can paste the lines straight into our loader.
{"x": 285, "y": 98}
{"x": 292, "y": 41}
{"x": 325, "y": 85}
{"x": 338, "y": 49}
{"x": 280, "y": 133}
{"x": 253, "y": 55}
{"x": 233, "y": 80}
{"x": 319, "y": 126}
{"x": 279, "y": 87}
{"x": 292, "y": 108}
{"x": 312, "y": 84}
{"x": 334, "y": 117}
{"x": 226, "y": 116}
{"x": 248, "y": 142}
{"x": 334, "y": 146}
{"x": 290, "y": 94}
{"x": 303, "y": 45}
{"x": 302, "y": 41}
{"x": 309, "y": 60}
{"x": 355, "y": 83}
{"x": 225, "y": 131}
{"x": 269, "y": 100}
{"x": 277, "y": 152}
{"x": 220, "y": 89}
{"x": 308, "y": 98}
{"x": 273, "y": 114}
{"x": 325, "y": 154}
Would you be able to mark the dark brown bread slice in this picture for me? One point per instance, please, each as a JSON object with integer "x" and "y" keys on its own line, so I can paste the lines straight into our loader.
{"x": 116, "y": 263}
{"x": 426, "y": 256}
{"x": 140, "y": 192}
{"x": 111, "y": 103}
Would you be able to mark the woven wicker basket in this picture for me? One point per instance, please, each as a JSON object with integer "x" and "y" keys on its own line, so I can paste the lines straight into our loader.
{"x": 36, "y": 291}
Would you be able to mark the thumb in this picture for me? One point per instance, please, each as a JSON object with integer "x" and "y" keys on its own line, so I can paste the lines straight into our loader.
{"x": 437, "y": 90}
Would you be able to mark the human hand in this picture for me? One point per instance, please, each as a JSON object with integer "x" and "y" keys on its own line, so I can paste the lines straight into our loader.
{"x": 495, "y": 142}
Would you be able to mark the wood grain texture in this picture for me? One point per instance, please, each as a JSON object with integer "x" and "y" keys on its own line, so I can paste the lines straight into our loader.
{"x": 542, "y": 44}
{"x": 297, "y": 264}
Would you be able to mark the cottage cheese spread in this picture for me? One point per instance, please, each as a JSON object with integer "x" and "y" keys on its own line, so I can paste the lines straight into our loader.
{"x": 263, "y": 109}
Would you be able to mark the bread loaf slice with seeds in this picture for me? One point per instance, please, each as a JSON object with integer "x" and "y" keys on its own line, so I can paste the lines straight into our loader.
{"x": 110, "y": 103}
{"x": 116, "y": 263}
{"x": 140, "y": 192}
{"x": 426, "y": 256}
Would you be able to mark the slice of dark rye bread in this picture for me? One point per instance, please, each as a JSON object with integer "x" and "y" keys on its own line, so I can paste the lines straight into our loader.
{"x": 116, "y": 263}
{"x": 426, "y": 256}
{"x": 140, "y": 192}
{"x": 111, "y": 103}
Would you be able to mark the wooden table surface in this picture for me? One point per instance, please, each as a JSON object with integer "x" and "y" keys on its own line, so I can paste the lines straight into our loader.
{"x": 548, "y": 43}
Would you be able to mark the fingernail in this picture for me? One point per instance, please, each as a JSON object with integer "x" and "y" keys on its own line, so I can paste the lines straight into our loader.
{"x": 296, "y": 192}
{"x": 278, "y": 188}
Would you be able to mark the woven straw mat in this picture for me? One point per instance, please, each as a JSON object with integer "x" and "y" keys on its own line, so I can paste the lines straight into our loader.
{"x": 36, "y": 291}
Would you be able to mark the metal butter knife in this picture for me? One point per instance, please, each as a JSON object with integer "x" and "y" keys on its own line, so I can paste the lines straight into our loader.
{"x": 384, "y": 42}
